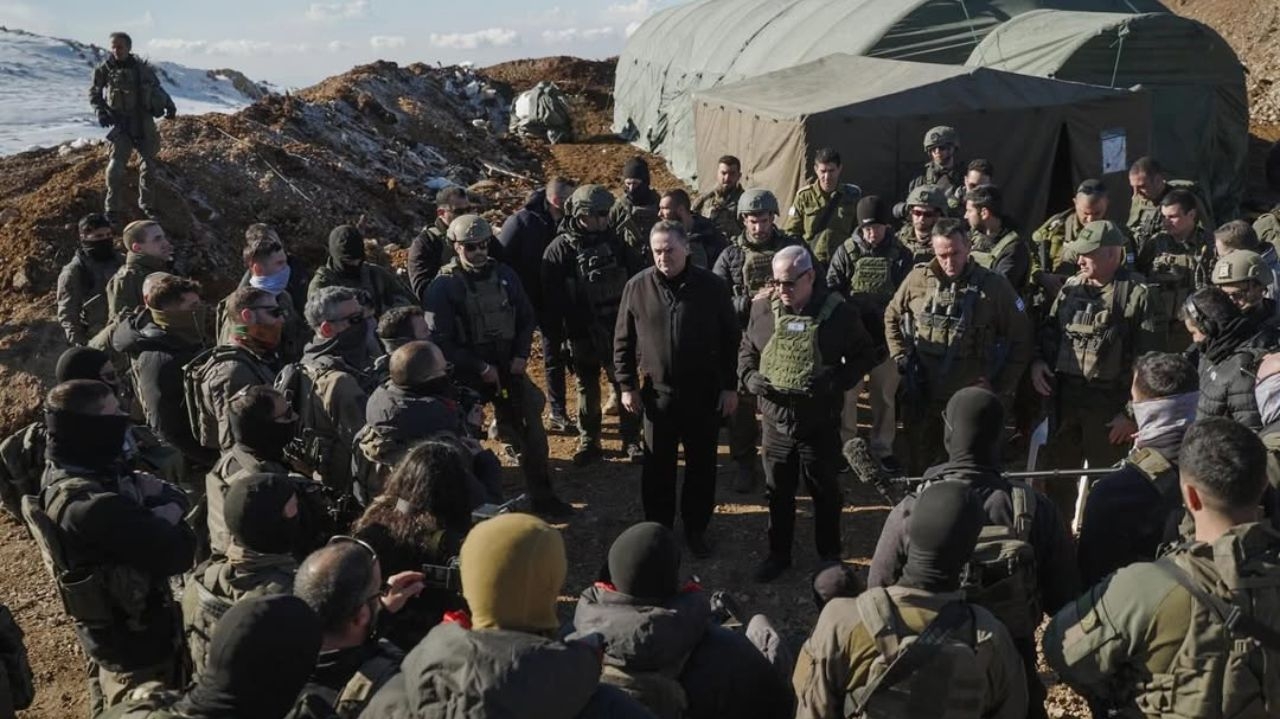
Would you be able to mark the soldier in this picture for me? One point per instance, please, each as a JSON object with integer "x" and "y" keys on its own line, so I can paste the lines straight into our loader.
{"x": 825, "y": 212}
{"x": 1177, "y": 259}
{"x": 706, "y": 242}
{"x": 112, "y": 540}
{"x": 721, "y": 204}
{"x": 1104, "y": 318}
{"x": 431, "y": 249}
{"x": 868, "y": 268}
{"x": 952, "y": 324}
{"x": 974, "y": 670}
{"x": 979, "y": 172}
{"x": 1238, "y": 235}
{"x": 247, "y": 358}
{"x": 275, "y": 637}
{"x": 1233, "y": 346}
{"x": 584, "y": 271}
{"x": 1132, "y": 511}
{"x": 148, "y": 251}
{"x": 330, "y": 386}
{"x": 675, "y": 349}
{"x": 481, "y": 319}
{"x": 343, "y": 585}
{"x": 524, "y": 238}
{"x": 1268, "y": 226}
{"x": 380, "y": 288}
{"x": 636, "y": 211}
{"x": 996, "y": 244}
{"x": 924, "y": 205}
{"x": 261, "y": 512}
{"x": 1051, "y": 265}
{"x": 1024, "y": 564}
{"x": 1147, "y": 179}
{"x": 745, "y": 266}
{"x": 1193, "y": 633}
{"x": 943, "y": 170}
{"x": 803, "y": 348}
{"x": 268, "y": 267}
{"x": 82, "y": 284}
{"x": 133, "y": 99}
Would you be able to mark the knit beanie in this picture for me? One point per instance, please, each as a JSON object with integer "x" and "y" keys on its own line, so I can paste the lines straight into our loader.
{"x": 346, "y": 243}
{"x": 80, "y": 363}
{"x": 636, "y": 169}
{"x": 872, "y": 211}
{"x": 513, "y": 568}
{"x": 644, "y": 562}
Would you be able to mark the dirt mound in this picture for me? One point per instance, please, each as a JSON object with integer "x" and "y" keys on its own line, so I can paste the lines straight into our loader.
{"x": 1250, "y": 27}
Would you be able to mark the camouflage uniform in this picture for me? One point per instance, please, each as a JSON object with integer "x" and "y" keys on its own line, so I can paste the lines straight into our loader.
{"x": 949, "y": 180}
{"x": 1268, "y": 226}
{"x": 1145, "y": 220}
{"x": 721, "y": 207}
{"x": 221, "y": 582}
{"x": 821, "y": 227}
{"x": 1048, "y": 245}
{"x": 1178, "y": 269}
{"x": 1143, "y": 645}
{"x": 133, "y": 98}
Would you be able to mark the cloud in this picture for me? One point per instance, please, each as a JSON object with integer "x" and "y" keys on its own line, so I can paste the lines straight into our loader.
{"x": 574, "y": 35}
{"x": 632, "y": 27}
{"x": 227, "y": 48}
{"x": 634, "y": 10}
{"x": 142, "y": 21}
{"x": 175, "y": 44}
{"x": 386, "y": 42}
{"x": 24, "y": 16}
{"x": 338, "y": 46}
{"x": 490, "y": 37}
{"x": 335, "y": 11}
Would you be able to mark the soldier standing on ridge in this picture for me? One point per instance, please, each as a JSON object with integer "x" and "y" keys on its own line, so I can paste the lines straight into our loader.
{"x": 943, "y": 170}
{"x": 721, "y": 204}
{"x": 825, "y": 212}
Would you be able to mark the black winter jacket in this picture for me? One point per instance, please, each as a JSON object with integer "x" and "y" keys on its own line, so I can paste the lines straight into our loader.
{"x": 728, "y": 267}
{"x": 524, "y": 238}
{"x": 1226, "y": 388}
{"x": 446, "y": 316}
{"x": 567, "y": 314}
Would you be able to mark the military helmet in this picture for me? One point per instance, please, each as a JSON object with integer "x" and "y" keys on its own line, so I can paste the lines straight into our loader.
{"x": 590, "y": 200}
{"x": 753, "y": 201}
{"x": 469, "y": 228}
{"x": 927, "y": 196}
{"x": 941, "y": 135}
{"x": 1240, "y": 266}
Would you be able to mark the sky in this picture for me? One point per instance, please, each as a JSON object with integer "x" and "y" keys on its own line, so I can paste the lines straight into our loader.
{"x": 295, "y": 43}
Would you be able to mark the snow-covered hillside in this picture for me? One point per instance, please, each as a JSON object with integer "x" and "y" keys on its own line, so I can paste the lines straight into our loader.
{"x": 44, "y": 90}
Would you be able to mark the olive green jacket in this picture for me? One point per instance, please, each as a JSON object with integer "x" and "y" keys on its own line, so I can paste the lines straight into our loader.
{"x": 124, "y": 289}
{"x": 810, "y": 206}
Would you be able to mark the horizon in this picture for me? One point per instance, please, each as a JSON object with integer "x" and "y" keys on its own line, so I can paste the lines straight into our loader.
{"x": 298, "y": 43}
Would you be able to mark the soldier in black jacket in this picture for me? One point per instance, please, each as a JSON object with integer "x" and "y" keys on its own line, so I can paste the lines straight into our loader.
{"x": 583, "y": 273}
{"x": 674, "y": 356}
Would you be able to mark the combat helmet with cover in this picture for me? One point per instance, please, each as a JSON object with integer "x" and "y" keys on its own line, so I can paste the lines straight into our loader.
{"x": 590, "y": 200}
{"x": 940, "y": 136}
{"x": 757, "y": 200}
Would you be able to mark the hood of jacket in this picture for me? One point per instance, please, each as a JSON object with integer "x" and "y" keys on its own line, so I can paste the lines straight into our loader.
{"x": 641, "y": 637}
{"x": 458, "y": 673}
{"x": 141, "y": 334}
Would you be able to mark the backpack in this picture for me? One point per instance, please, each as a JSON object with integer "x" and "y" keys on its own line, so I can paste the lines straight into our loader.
{"x": 660, "y": 691}
{"x": 311, "y": 449}
{"x": 202, "y": 415}
{"x": 1002, "y": 575}
{"x": 21, "y": 466}
{"x": 17, "y": 688}
{"x": 360, "y": 688}
{"x": 929, "y": 675}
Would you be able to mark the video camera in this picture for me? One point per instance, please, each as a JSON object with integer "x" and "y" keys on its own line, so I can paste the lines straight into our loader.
{"x": 449, "y": 576}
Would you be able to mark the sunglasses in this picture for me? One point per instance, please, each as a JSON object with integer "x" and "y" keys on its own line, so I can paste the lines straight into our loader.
{"x": 352, "y": 319}
{"x": 373, "y": 557}
{"x": 276, "y": 311}
{"x": 923, "y": 213}
{"x": 471, "y": 246}
{"x": 788, "y": 284}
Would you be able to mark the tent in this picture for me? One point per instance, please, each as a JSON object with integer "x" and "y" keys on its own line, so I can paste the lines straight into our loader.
{"x": 704, "y": 43}
{"x": 1043, "y": 136}
{"x": 1200, "y": 110}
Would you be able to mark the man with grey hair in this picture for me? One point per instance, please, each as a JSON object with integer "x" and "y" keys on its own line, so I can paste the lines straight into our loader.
{"x": 677, "y": 330}
{"x": 524, "y": 238}
{"x": 804, "y": 347}
{"x": 330, "y": 385}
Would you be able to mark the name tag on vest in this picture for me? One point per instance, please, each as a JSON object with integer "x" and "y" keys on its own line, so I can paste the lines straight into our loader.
{"x": 795, "y": 326}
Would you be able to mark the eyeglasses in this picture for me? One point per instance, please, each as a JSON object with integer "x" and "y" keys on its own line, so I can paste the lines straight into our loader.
{"x": 788, "y": 284}
{"x": 923, "y": 213}
{"x": 274, "y": 311}
{"x": 373, "y": 557}
{"x": 471, "y": 246}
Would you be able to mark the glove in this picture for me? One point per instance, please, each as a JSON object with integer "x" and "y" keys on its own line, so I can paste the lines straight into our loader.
{"x": 820, "y": 383}
{"x": 170, "y": 112}
{"x": 105, "y": 119}
{"x": 759, "y": 385}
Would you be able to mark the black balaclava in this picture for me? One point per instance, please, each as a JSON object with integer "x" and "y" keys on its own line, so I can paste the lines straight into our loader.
{"x": 254, "y": 512}
{"x": 81, "y": 363}
{"x": 974, "y": 429}
{"x": 637, "y": 169}
{"x": 1223, "y": 338}
{"x": 99, "y": 250}
{"x": 88, "y": 441}
{"x": 263, "y": 435}
{"x": 942, "y": 530}
{"x": 644, "y": 562}
{"x": 346, "y": 244}
{"x": 261, "y": 654}
{"x": 836, "y": 580}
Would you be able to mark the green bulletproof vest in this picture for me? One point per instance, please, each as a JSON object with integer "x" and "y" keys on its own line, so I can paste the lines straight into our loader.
{"x": 491, "y": 319}
{"x": 791, "y": 357}
{"x": 601, "y": 278}
{"x": 216, "y": 585}
{"x": 947, "y": 318}
{"x": 1217, "y": 672}
{"x": 872, "y": 274}
{"x": 949, "y": 685}
{"x": 1175, "y": 268}
{"x": 1093, "y": 328}
{"x": 757, "y": 266}
{"x": 986, "y": 257}
{"x": 124, "y": 91}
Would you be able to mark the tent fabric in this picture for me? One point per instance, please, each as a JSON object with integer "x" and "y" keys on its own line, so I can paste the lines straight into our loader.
{"x": 1200, "y": 111}
{"x": 1043, "y": 136}
{"x": 704, "y": 43}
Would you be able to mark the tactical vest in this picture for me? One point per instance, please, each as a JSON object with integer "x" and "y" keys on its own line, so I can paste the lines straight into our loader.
{"x": 1162, "y": 517}
{"x": 490, "y": 322}
{"x": 309, "y": 387}
{"x": 1218, "y": 672}
{"x": 949, "y": 685}
{"x": 124, "y": 91}
{"x": 202, "y": 410}
{"x": 945, "y": 326}
{"x": 1177, "y": 270}
{"x": 97, "y": 596}
{"x": 208, "y": 594}
{"x": 757, "y": 265}
{"x": 987, "y": 258}
{"x": 1001, "y": 576}
{"x": 601, "y": 276}
{"x": 791, "y": 358}
{"x": 356, "y": 693}
{"x": 1095, "y": 332}
{"x": 872, "y": 274}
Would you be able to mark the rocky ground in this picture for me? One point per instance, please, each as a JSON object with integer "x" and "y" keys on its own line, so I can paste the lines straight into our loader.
{"x": 362, "y": 147}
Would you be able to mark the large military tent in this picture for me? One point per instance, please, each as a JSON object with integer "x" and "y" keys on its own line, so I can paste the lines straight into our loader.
{"x": 1043, "y": 136}
{"x": 704, "y": 43}
{"x": 1200, "y": 110}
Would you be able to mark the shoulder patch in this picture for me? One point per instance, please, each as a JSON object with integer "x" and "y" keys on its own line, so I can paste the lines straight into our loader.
{"x": 791, "y": 212}
{"x": 1019, "y": 304}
